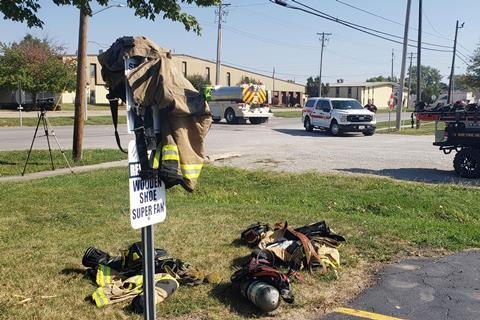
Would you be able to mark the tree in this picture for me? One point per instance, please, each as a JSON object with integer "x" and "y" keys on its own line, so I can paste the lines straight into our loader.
{"x": 198, "y": 81}
{"x": 382, "y": 79}
{"x": 471, "y": 80}
{"x": 430, "y": 84}
{"x": 37, "y": 64}
{"x": 26, "y": 10}
{"x": 311, "y": 89}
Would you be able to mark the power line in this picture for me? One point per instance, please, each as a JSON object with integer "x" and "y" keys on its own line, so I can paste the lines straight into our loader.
{"x": 440, "y": 36}
{"x": 459, "y": 57}
{"x": 326, "y": 15}
{"x": 354, "y": 26}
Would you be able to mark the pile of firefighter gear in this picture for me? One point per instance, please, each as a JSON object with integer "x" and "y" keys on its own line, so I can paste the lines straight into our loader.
{"x": 119, "y": 278}
{"x": 312, "y": 247}
{"x": 171, "y": 118}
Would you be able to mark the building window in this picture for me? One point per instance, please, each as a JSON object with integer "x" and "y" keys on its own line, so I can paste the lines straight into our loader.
{"x": 207, "y": 74}
{"x": 93, "y": 72}
{"x": 184, "y": 68}
{"x": 349, "y": 92}
{"x": 228, "y": 79}
{"x": 337, "y": 92}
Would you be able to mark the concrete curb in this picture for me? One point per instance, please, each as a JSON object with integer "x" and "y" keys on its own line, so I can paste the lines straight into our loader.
{"x": 99, "y": 166}
{"x": 64, "y": 171}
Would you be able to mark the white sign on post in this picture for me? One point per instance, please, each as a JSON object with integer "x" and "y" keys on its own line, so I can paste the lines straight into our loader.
{"x": 147, "y": 197}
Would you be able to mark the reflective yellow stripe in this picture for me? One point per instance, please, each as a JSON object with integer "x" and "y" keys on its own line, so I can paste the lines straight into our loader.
{"x": 364, "y": 314}
{"x": 100, "y": 298}
{"x": 191, "y": 171}
{"x": 170, "y": 152}
{"x": 169, "y": 147}
{"x": 170, "y": 156}
{"x": 103, "y": 275}
{"x": 138, "y": 284}
{"x": 156, "y": 159}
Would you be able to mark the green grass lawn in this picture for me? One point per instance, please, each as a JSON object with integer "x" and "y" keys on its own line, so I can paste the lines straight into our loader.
{"x": 288, "y": 114}
{"x": 12, "y": 162}
{"x": 426, "y": 128}
{"x": 71, "y": 107}
{"x": 47, "y": 224}
{"x": 60, "y": 121}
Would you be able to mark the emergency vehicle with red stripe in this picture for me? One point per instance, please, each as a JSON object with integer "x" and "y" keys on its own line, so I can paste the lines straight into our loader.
{"x": 239, "y": 103}
{"x": 338, "y": 115}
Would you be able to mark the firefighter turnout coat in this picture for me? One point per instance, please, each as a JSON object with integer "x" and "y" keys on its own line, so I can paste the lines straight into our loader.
{"x": 185, "y": 117}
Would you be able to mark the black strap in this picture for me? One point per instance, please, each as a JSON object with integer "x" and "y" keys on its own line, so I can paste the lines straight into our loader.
{"x": 114, "y": 111}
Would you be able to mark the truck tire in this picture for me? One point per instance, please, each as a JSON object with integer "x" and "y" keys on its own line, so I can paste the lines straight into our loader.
{"x": 230, "y": 116}
{"x": 307, "y": 125}
{"x": 467, "y": 163}
{"x": 256, "y": 120}
{"x": 334, "y": 128}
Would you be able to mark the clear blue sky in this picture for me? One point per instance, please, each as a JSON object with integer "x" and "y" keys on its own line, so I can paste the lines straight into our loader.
{"x": 260, "y": 35}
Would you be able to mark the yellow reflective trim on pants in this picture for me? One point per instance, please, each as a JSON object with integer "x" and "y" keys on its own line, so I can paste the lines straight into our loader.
{"x": 100, "y": 298}
{"x": 364, "y": 314}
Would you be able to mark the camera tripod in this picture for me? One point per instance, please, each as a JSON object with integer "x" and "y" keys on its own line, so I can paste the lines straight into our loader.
{"x": 47, "y": 128}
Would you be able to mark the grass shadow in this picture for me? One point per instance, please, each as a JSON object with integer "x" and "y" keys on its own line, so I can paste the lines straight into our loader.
{"x": 237, "y": 243}
{"x": 428, "y": 175}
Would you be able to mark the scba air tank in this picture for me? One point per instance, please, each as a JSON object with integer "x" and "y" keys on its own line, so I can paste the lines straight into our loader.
{"x": 263, "y": 295}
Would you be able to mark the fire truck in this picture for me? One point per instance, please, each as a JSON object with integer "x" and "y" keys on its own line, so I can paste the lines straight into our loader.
{"x": 239, "y": 103}
{"x": 457, "y": 128}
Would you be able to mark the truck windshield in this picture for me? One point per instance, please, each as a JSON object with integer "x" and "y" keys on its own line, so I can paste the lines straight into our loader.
{"x": 346, "y": 104}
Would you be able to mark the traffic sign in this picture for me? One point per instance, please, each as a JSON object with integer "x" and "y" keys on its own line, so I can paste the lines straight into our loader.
{"x": 391, "y": 102}
{"x": 20, "y": 96}
{"x": 147, "y": 197}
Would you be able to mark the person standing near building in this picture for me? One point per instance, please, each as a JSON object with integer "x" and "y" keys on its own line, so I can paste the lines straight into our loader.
{"x": 370, "y": 106}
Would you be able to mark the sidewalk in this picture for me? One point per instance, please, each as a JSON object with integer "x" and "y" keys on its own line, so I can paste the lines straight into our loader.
{"x": 63, "y": 171}
{"x": 52, "y": 114}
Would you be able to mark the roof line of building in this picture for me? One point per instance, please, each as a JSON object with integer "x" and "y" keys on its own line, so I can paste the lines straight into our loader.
{"x": 237, "y": 68}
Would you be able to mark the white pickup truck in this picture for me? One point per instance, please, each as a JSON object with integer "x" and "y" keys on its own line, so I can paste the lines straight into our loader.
{"x": 338, "y": 115}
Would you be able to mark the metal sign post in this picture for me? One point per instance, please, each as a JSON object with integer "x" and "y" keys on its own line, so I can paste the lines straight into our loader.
{"x": 20, "y": 98}
{"x": 147, "y": 203}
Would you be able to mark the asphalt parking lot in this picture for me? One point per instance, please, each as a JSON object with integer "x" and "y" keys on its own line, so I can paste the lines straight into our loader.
{"x": 283, "y": 145}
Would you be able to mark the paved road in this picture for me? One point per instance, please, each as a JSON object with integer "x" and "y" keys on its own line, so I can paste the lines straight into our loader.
{"x": 283, "y": 145}
{"x": 427, "y": 289}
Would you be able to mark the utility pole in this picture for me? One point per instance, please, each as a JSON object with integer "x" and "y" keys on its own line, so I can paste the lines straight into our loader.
{"x": 450, "y": 82}
{"x": 221, "y": 12}
{"x": 402, "y": 72}
{"x": 419, "y": 54}
{"x": 80, "y": 96}
{"x": 391, "y": 73}
{"x": 323, "y": 34}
